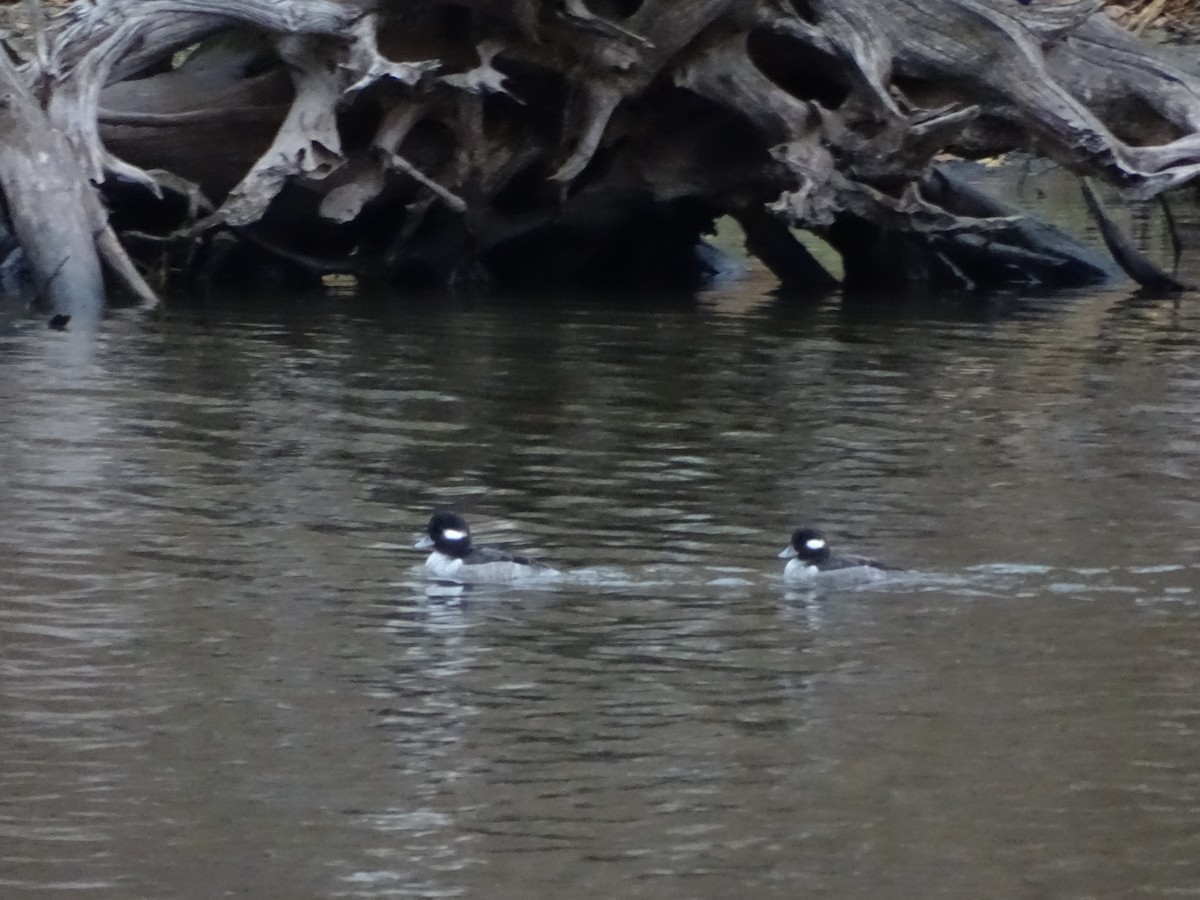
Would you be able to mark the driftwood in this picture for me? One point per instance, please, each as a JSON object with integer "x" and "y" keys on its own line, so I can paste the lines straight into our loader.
{"x": 49, "y": 202}
{"x": 587, "y": 140}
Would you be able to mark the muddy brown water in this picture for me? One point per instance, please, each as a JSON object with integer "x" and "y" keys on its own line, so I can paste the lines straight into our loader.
{"x": 221, "y": 673}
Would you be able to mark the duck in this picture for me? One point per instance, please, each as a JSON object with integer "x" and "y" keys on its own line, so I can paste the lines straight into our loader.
{"x": 809, "y": 558}
{"x": 455, "y": 558}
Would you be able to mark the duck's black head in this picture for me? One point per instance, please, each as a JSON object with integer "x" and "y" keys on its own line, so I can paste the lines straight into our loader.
{"x": 810, "y": 545}
{"x": 449, "y": 533}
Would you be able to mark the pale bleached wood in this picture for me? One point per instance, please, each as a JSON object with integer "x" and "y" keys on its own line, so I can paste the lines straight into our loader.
{"x": 47, "y": 199}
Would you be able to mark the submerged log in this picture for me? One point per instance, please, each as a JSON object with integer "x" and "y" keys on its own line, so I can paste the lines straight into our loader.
{"x": 452, "y": 141}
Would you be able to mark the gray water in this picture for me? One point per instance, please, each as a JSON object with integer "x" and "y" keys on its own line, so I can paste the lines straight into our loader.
{"x": 222, "y": 674}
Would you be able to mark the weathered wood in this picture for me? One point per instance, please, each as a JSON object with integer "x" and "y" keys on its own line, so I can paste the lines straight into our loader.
{"x": 1051, "y": 255}
{"x": 47, "y": 200}
{"x": 493, "y": 138}
{"x": 162, "y": 27}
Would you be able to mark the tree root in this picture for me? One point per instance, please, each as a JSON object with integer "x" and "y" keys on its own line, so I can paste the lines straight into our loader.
{"x": 452, "y": 138}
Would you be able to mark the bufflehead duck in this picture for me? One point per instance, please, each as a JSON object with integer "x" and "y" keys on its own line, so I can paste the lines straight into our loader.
{"x": 809, "y": 556}
{"x": 454, "y": 559}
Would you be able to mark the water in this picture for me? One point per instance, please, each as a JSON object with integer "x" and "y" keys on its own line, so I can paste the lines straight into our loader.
{"x": 221, "y": 674}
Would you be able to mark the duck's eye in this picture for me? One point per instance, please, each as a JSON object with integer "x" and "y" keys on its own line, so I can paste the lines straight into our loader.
{"x": 453, "y": 534}
{"x": 815, "y": 544}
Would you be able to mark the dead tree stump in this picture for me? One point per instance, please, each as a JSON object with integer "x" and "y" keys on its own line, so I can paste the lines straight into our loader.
{"x": 590, "y": 141}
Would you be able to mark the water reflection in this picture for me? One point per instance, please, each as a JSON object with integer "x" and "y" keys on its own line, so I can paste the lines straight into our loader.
{"x": 222, "y": 674}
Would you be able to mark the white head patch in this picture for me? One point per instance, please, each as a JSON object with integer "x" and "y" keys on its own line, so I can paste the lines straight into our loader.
{"x": 453, "y": 534}
{"x": 815, "y": 544}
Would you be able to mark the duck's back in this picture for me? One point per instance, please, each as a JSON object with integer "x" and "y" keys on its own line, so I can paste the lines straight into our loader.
{"x": 487, "y": 565}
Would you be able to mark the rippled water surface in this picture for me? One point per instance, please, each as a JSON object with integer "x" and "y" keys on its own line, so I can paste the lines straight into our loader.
{"x": 221, "y": 674}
